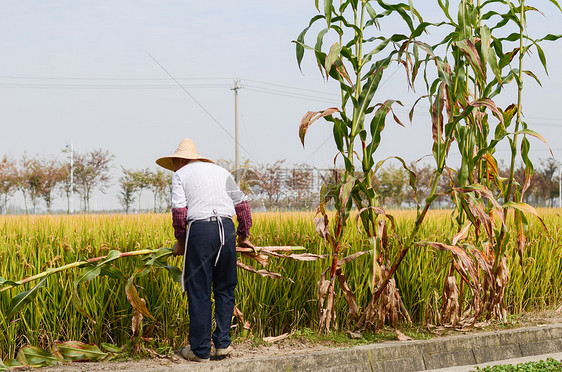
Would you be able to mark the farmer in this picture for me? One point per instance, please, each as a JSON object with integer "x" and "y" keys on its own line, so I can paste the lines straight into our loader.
{"x": 204, "y": 200}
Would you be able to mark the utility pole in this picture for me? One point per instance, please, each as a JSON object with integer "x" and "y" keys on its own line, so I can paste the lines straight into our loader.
{"x": 71, "y": 148}
{"x": 236, "y": 144}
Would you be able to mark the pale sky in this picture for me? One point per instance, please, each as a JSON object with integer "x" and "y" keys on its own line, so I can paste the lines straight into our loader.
{"x": 80, "y": 73}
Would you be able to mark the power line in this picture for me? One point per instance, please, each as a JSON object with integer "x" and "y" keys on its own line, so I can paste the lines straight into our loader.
{"x": 286, "y": 94}
{"x": 115, "y": 86}
{"x": 295, "y": 88}
{"x": 107, "y": 78}
{"x": 199, "y": 104}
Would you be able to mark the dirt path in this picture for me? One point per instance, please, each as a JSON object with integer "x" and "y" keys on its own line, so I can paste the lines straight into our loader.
{"x": 296, "y": 344}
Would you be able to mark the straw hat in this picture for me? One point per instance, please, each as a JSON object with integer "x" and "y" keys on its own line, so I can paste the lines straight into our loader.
{"x": 186, "y": 150}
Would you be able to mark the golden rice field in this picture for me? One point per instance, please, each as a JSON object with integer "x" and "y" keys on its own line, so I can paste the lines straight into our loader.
{"x": 32, "y": 244}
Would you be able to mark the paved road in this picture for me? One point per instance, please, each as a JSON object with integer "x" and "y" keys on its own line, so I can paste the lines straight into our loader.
{"x": 557, "y": 356}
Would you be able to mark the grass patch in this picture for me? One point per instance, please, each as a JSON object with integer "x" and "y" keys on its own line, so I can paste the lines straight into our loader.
{"x": 549, "y": 365}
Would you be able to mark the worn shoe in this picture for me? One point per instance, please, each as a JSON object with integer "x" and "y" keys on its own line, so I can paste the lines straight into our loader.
{"x": 187, "y": 354}
{"x": 223, "y": 353}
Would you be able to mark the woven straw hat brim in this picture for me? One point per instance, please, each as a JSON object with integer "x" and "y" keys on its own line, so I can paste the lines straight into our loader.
{"x": 186, "y": 150}
{"x": 168, "y": 163}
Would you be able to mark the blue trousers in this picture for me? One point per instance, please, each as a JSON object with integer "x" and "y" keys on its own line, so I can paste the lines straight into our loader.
{"x": 201, "y": 276}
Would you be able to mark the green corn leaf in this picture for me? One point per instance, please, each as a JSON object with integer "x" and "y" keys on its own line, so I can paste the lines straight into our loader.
{"x": 369, "y": 89}
{"x": 532, "y": 133}
{"x": 488, "y": 103}
{"x": 36, "y": 357}
{"x": 371, "y": 10}
{"x": 485, "y": 44}
{"x": 445, "y": 9}
{"x": 112, "y": 272}
{"x": 93, "y": 271}
{"x": 328, "y": 11}
{"x": 10, "y": 364}
{"x": 78, "y": 351}
{"x": 469, "y": 49}
{"x": 378, "y": 124}
{"x": 7, "y": 282}
{"x": 345, "y": 194}
{"x": 531, "y": 74}
{"x": 525, "y": 148}
{"x": 483, "y": 191}
{"x": 549, "y": 37}
{"x": 339, "y": 131}
{"x": 342, "y": 74}
{"x": 320, "y": 39}
{"x": 333, "y": 55}
{"x": 90, "y": 272}
{"x": 159, "y": 260}
{"x": 525, "y": 208}
{"x": 161, "y": 255}
{"x": 402, "y": 10}
{"x": 300, "y": 45}
{"x": 493, "y": 62}
{"x": 110, "y": 348}
{"x": 20, "y": 300}
{"x": 542, "y": 57}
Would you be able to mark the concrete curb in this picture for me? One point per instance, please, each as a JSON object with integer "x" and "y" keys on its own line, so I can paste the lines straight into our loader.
{"x": 402, "y": 356}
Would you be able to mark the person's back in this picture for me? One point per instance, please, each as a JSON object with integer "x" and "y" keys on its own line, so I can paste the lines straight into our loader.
{"x": 206, "y": 191}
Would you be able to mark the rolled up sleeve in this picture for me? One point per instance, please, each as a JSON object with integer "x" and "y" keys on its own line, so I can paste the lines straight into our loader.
{"x": 179, "y": 216}
{"x": 241, "y": 207}
{"x": 244, "y": 216}
{"x": 179, "y": 208}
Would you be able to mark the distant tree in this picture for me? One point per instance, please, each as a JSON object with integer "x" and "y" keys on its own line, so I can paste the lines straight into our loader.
{"x": 128, "y": 186}
{"x": 46, "y": 175}
{"x": 547, "y": 187}
{"x": 159, "y": 182}
{"x": 542, "y": 188}
{"x": 392, "y": 184}
{"x": 8, "y": 181}
{"x": 142, "y": 179}
{"x": 424, "y": 175}
{"x": 91, "y": 171}
{"x": 24, "y": 180}
{"x": 31, "y": 177}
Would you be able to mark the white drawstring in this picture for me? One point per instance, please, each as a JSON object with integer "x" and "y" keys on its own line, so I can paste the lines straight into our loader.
{"x": 185, "y": 257}
{"x": 221, "y": 235}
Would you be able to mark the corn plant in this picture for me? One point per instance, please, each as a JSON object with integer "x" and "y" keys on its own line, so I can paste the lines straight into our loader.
{"x": 482, "y": 54}
{"x": 353, "y": 60}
